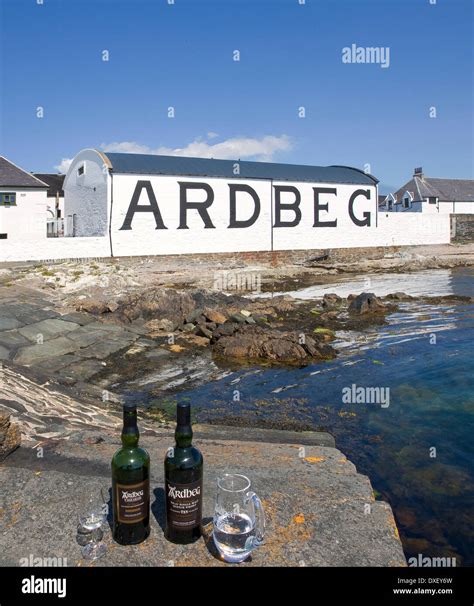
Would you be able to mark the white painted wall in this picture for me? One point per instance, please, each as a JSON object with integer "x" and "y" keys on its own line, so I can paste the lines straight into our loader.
{"x": 51, "y": 249}
{"x": 457, "y": 208}
{"x": 92, "y": 207}
{"x": 394, "y": 229}
{"x": 86, "y": 195}
{"x": 27, "y": 220}
{"x": 345, "y": 235}
{"x": 198, "y": 238}
{"x": 410, "y": 229}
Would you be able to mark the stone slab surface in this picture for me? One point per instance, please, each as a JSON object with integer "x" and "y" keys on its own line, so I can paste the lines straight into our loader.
{"x": 48, "y": 329}
{"x": 320, "y": 511}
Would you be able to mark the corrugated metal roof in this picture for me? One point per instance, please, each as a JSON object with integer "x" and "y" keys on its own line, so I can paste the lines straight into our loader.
{"x": 14, "y": 176}
{"x": 144, "y": 164}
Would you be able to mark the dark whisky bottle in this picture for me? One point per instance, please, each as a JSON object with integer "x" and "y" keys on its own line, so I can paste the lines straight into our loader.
{"x": 183, "y": 483}
{"x": 130, "y": 484}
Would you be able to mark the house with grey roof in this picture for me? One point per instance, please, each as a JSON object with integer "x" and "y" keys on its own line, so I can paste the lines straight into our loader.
{"x": 22, "y": 204}
{"x": 431, "y": 195}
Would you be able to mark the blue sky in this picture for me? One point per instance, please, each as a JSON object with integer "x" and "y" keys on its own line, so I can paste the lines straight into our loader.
{"x": 181, "y": 55}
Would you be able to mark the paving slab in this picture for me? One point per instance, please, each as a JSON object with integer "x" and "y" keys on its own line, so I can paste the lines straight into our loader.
{"x": 105, "y": 347}
{"x": 85, "y": 336}
{"x": 7, "y": 323}
{"x": 31, "y": 314}
{"x": 319, "y": 510}
{"x": 80, "y": 370}
{"x": 49, "y": 349}
{"x": 12, "y": 339}
{"x": 52, "y": 365}
{"x": 48, "y": 329}
{"x": 78, "y": 317}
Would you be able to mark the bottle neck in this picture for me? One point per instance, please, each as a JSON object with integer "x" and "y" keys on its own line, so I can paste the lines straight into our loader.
{"x": 183, "y": 436}
{"x": 130, "y": 433}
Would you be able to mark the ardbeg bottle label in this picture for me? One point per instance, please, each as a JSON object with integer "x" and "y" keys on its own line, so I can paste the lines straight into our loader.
{"x": 184, "y": 504}
{"x": 132, "y": 501}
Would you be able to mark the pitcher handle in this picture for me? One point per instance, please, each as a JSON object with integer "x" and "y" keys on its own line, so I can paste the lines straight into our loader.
{"x": 259, "y": 518}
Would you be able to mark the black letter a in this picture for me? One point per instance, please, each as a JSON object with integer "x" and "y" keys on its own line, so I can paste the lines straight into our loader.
{"x": 148, "y": 208}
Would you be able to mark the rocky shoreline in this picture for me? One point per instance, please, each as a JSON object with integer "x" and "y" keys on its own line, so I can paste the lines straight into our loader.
{"x": 168, "y": 338}
{"x": 102, "y": 328}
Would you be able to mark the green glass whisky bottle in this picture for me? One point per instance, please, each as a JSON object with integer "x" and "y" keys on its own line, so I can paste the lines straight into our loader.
{"x": 183, "y": 483}
{"x": 130, "y": 484}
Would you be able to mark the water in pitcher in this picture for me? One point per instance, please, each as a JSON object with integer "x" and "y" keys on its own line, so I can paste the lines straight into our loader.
{"x": 234, "y": 535}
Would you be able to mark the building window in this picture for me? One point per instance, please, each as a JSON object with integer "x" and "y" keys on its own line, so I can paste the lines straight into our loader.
{"x": 7, "y": 199}
{"x": 432, "y": 200}
{"x": 3, "y": 236}
{"x": 81, "y": 170}
{"x": 390, "y": 205}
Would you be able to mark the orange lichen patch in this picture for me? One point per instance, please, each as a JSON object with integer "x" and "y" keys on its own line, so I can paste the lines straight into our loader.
{"x": 392, "y": 523}
{"x": 176, "y": 348}
{"x": 345, "y": 413}
{"x": 314, "y": 459}
{"x": 14, "y": 512}
{"x": 279, "y": 536}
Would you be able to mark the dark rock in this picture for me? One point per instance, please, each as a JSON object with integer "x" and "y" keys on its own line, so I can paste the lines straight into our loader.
{"x": 398, "y": 296}
{"x": 202, "y": 331}
{"x": 193, "y": 316}
{"x": 238, "y": 317}
{"x": 257, "y": 343}
{"x": 93, "y": 307}
{"x": 331, "y": 300}
{"x": 10, "y": 436}
{"x": 157, "y": 303}
{"x": 367, "y": 303}
{"x": 226, "y": 329}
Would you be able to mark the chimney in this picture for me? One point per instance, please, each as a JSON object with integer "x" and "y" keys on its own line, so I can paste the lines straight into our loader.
{"x": 418, "y": 172}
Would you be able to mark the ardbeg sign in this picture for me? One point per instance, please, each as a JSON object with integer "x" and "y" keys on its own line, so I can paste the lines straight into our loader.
{"x": 326, "y": 205}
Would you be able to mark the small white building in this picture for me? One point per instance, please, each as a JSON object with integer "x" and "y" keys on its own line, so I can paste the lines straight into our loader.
{"x": 151, "y": 204}
{"x": 55, "y": 208}
{"x": 430, "y": 195}
{"x": 23, "y": 204}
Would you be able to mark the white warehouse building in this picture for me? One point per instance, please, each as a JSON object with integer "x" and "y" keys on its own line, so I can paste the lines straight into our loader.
{"x": 151, "y": 204}
{"x": 23, "y": 205}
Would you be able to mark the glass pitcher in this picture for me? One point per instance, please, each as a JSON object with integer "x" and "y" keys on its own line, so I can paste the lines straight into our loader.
{"x": 239, "y": 520}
